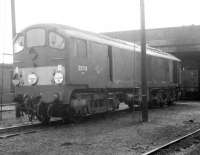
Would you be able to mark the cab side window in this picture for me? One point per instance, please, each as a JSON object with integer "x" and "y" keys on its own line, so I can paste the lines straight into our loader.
{"x": 56, "y": 41}
{"x": 80, "y": 48}
{"x": 19, "y": 44}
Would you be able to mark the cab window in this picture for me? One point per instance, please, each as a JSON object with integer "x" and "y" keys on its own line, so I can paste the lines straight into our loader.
{"x": 56, "y": 41}
{"x": 35, "y": 37}
{"x": 19, "y": 44}
{"x": 81, "y": 48}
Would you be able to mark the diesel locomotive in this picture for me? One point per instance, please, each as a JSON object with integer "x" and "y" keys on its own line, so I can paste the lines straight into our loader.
{"x": 60, "y": 71}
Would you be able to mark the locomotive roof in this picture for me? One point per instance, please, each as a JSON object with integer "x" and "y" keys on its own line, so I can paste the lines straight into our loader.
{"x": 74, "y": 32}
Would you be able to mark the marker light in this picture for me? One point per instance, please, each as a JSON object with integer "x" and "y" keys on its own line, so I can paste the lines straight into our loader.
{"x": 32, "y": 79}
{"x": 16, "y": 71}
{"x": 58, "y": 78}
{"x": 59, "y": 68}
{"x": 15, "y": 82}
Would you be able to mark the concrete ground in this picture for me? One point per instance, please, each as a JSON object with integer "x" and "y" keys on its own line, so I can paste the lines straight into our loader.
{"x": 112, "y": 134}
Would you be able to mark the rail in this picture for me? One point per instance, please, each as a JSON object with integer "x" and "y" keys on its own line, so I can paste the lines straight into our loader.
{"x": 158, "y": 149}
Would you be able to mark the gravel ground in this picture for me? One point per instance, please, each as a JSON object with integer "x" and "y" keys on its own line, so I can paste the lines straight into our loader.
{"x": 114, "y": 134}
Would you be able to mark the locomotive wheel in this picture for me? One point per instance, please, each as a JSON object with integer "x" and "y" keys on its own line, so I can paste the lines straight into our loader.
{"x": 43, "y": 119}
{"x": 130, "y": 105}
{"x": 18, "y": 111}
{"x": 68, "y": 120}
{"x": 30, "y": 117}
{"x": 169, "y": 102}
{"x": 42, "y": 113}
{"x": 161, "y": 104}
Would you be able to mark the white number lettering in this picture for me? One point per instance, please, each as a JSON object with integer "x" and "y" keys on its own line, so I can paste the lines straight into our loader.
{"x": 82, "y": 68}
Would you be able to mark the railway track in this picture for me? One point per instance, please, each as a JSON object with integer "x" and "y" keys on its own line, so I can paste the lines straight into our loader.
{"x": 58, "y": 122}
{"x": 15, "y": 130}
{"x": 177, "y": 145}
{"x": 6, "y": 132}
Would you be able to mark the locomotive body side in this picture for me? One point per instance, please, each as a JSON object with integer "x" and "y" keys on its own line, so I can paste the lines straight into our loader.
{"x": 117, "y": 70}
{"x": 65, "y": 72}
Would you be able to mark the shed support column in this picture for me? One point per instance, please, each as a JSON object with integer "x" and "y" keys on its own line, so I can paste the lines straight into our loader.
{"x": 143, "y": 64}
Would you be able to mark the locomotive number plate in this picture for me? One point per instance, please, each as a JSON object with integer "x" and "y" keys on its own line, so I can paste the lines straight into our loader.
{"x": 82, "y": 68}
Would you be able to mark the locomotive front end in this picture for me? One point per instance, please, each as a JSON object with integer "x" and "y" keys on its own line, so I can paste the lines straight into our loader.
{"x": 46, "y": 82}
{"x": 39, "y": 73}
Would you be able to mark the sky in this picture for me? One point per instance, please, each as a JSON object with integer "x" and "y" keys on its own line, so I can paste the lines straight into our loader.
{"x": 96, "y": 15}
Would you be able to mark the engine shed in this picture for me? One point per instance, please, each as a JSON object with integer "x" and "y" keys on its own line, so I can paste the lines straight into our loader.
{"x": 183, "y": 42}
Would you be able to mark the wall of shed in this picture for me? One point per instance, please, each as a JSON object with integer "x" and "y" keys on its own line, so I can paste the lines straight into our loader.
{"x": 6, "y": 87}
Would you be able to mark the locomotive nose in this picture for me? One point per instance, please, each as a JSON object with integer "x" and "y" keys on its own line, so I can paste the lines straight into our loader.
{"x": 45, "y": 81}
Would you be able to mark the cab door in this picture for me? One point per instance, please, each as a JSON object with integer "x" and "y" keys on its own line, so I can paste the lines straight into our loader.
{"x": 98, "y": 76}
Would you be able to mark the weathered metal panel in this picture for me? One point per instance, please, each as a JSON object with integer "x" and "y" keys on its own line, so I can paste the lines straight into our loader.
{"x": 98, "y": 65}
{"x": 123, "y": 67}
{"x": 189, "y": 78}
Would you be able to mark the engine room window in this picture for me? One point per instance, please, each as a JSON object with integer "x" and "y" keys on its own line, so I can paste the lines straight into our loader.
{"x": 35, "y": 37}
{"x": 19, "y": 44}
{"x": 56, "y": 41}
{"x": 81, "y": 48}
